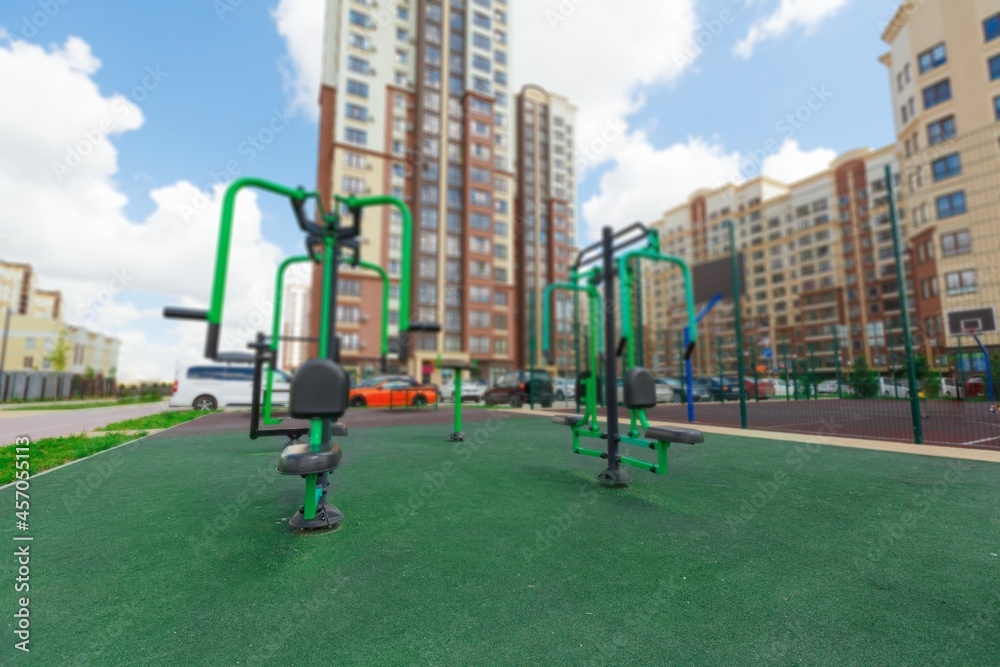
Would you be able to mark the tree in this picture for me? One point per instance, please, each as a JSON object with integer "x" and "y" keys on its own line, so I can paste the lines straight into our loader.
{"x": 58, "y": 356}
{"x": 864, "y": 380}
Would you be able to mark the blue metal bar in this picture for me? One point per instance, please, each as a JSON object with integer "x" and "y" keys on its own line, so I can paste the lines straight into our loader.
{"x": 688, "y": 371}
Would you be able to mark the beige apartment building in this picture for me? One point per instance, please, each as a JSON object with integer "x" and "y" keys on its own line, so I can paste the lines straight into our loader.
{"x": 545, "y": 231}
{"x": 415, "y": 103}
{"x": 944, "y": 73}
{"x": 296, "y": 325}
{"x": 36, "y": 325}
{"x": 819, "y": 269}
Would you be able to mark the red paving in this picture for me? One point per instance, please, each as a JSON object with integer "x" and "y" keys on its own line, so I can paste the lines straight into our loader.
{"x": 954, "y": 423}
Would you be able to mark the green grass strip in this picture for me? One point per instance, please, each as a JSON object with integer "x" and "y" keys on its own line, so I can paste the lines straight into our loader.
{"x": 80, "y": 405}
{"x": 159, "y": 420}
{"x": 51, "y": 452}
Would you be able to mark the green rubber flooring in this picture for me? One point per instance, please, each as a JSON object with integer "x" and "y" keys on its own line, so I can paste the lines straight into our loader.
{"x": 504, "y": 551}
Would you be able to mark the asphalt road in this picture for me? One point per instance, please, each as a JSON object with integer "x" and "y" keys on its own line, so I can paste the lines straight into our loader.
{"x": 50, "y": 423}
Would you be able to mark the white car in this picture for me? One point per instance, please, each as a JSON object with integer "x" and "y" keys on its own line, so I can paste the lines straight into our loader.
{"x": 213, "y": 386}
{"x": 472, "y": 390}
{"x": 949, "y": 388}
{"x": 889, "y": 388}
{"x": 565, "y": 388}
{"x": 782, "y": 388}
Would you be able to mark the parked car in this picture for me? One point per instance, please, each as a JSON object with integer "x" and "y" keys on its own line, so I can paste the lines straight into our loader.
{"x": 679, "y": 391}
{"x": 565, "y": 388}
{"x": 762, "y": 389}
{"x": 889, "y": 388}
{"x": 829, "y": 387}
{"x": 729, "y": 389}
{"x": 949, "y": 388}
{"x": 386, "y": 391}
{"x": 472, "y": 390}
{"x": 664, "y": 392}
{"x": 513, "y": 389}
{"x": 782, "y": 388}
{"x": 211, "y": 386}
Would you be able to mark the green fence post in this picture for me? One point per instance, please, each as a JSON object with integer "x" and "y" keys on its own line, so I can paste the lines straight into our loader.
{"x": 814, "y": 394}
{"x": 531, "y": 349}
{"x": 911, "y": 367}
{"x": 795, "y": 377}
{"x": 737, "y": 313}
{"x": 836, "y": 349}
{"x": 963, "y": 390}
{"x": 722, "y": 384}
{"x": 788, "y": 376}
{"x": 756, "y": 378}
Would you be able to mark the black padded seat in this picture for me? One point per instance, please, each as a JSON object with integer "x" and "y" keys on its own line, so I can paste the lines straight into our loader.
{"x": 568, "y": 420}
{"x": 639, "y": 389}
{"x": 319, "y": 391}
{"x": 581, "y": 386}
{"x": 299, "y": 460}
{"x": 684, "y": 436}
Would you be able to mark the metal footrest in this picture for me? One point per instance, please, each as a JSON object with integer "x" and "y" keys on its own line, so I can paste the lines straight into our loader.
{"x": 568, "y": 420}
{"x": 300, "y": 460}
{"x": 684, "y": 436}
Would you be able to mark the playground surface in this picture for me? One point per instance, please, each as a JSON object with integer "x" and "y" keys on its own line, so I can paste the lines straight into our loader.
{"x": 175, "y": 550}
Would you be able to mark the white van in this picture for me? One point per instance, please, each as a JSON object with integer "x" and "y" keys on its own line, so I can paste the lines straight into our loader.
{"x": 889, "y": 388}
{"x": 211, "y": 386}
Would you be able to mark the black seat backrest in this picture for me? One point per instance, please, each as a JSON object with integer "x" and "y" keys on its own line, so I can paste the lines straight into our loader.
{"x": 639, "y": 389}
{"x": 319, "y": 390}
{"x": 581, "y": 386}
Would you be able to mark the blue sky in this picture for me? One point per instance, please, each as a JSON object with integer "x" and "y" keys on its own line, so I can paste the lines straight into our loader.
{"x": 220, "y": 78}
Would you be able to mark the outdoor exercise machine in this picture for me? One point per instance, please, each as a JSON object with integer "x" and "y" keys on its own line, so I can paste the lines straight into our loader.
{"x": 586, "y": 382}
{"x": 639, "y": 387}
{"x": 320, "y": 387}
{"x": 456, "y": 366}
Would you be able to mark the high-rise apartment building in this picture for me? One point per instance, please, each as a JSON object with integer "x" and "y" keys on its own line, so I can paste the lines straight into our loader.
{"x": 545, "y": 234}
{"x": 415, "y": 103}
{"x": 296, "y": 326}
{"x": 944, "y": 72}
{"x": 820, "y": 271}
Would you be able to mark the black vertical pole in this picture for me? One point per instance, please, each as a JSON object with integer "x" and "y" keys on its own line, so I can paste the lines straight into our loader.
{"x": 614, "y": 475}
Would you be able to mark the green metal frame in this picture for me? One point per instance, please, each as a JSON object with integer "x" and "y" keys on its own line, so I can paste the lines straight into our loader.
{"x": 279, "y": 290}
{"x": 330, "y": 230}
{"x": 589, "y": 427}
{"x": 626, "y": 284}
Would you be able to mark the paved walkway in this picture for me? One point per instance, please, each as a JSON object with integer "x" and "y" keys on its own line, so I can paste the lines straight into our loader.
{"x": 51, "y": 423}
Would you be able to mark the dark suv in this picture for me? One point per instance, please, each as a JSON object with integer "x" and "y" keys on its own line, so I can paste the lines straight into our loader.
{"x": 728, "y": 390}
{"x": 514, "y": 390}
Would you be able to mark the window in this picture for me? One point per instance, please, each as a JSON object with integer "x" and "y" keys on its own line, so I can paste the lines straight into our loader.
{"x": 357, "y": 112}
{"x": 951, "y": 205}
{"x": 996, "y": 108}
{"x": 932, "y": 58}
{"x": 348, "y": 287}
{"x": 957, "y": 243}
{"x": 941, "y": 130}
{"x": 359, "y": 19}
{"x": 359, "y": 65}
{"x": 481, "y": 20}
{"x": 357, "y": 88}
{"x": 353, "y": 136}
{"x": 946, "y": 167}
{"x": 994, "y": 65}
{"x": 991, "y": 28}
{"x": 500, "y": 346}
{"x": 937, "y": 93}
{"x": 961, "y": 282}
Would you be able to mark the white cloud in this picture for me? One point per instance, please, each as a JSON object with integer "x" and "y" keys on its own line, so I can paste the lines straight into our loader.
{"x": 300, "y": 24}
{"x": 600, "y": 55}
{"x": 791, "y": 163}
{"x": 646, "y": 181}
{"x": 66, "y": 216}
{"x": 806, "y": 14}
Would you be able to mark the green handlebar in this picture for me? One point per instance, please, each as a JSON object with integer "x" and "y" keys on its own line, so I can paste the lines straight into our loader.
{"x": 353, "y": 202}
{"x": 652, "y": 251}
{"x": 385, "y": 296}
{"x": 226, "y": 234}
{"x": 279, "y": 291}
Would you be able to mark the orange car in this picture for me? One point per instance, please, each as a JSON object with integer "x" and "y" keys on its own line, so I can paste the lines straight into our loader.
{"x": 395, "y": 391}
